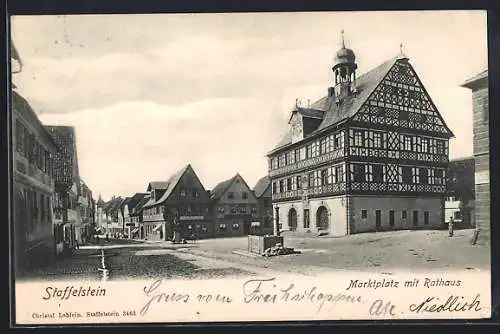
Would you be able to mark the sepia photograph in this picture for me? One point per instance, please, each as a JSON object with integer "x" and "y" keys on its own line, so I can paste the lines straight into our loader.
{"x": 245, "y": 157}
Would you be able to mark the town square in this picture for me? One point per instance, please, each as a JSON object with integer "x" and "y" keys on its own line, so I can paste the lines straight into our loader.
{"x": 251, "y": 151}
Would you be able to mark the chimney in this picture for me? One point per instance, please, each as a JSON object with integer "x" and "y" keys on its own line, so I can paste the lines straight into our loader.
{"x": 331, "y": 91}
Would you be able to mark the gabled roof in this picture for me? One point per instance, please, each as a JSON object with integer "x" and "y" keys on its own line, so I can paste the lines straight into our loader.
{"x": 138, "y": 208}
{"x": 261, "y": 186}
{"x": 157, "y": 185}
{"x": 308, "y": 112}
{"x": 134, "y": 200}
{"x": 170, "y": 186}
{"x": 113, "y": 205}
{"x": 221, "y": 188}
{"x": 478, "y": 77}
{"x": 335, "y": 114}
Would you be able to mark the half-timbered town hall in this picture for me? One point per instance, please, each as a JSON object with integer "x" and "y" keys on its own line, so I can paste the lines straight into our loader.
{"x": 371, "y": 155}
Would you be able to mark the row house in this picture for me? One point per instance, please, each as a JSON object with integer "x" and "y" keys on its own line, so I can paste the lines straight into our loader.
{"x": 67, "y": 188}
{"x": 183, "y": 200}
{"x": 131, "y": 219}
{"x": 33, "y": 150}
{"x": 481, "y": 147}
{"x": 234, "y": 207}
{"x": 371, "y": 155}
{"x": 111, "y": 211}
{"x": 86, "y": 209}
{"x": 460, "y": 194}
{"x": 262, "y": 191}
{"x": 153, "y": 221}
{"x": 136, "y": 217}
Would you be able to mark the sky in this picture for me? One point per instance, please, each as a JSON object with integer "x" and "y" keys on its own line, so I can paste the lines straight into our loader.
{"x": 148, "y": 94}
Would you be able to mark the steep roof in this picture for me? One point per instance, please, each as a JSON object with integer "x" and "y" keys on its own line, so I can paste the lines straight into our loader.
{"x": 134, "y": 200}
{"x": 157, "y": 185}
{"x": 261, "y": 186}
{"x": 335, "y": 114}
{"x": 221, "y": 188}
{"x": 113, "y": 205}
{"x": 140, "y": 205}
{"x": 170, "y": 186}
{"x": 478, "y": 77}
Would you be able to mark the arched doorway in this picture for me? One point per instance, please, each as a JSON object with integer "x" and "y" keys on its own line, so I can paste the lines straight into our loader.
{"x": 292, "y": 219}
{"x": 322, "y": 219}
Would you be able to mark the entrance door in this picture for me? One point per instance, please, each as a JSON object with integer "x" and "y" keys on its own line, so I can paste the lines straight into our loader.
{"x": 415, "y": 218}
{"x": 322, "y": 218}
{"x": 292, "y": 219}
{"x": 391, "y": 218}
{"x": 378, "y": 219}
{"x": 246, "y": 227}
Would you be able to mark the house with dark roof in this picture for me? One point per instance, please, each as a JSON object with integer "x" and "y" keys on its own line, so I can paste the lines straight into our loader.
{"x": 182, "y": 197}
{"x": 127, "y": 214}
{"x": 111, "y": 210}
{"x": 369, "y": 156}
{"x": 234, "y": 207}
{"x": 460, "y": 193}
{"x": 67, "y": 218}
{"x": 262, "y": 191}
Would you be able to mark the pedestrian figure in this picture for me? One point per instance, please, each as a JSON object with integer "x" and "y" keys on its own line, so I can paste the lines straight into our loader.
{"x": 107, "y": 237}
{"x": 450, "y": 227}
{"x": 77, "y": 244}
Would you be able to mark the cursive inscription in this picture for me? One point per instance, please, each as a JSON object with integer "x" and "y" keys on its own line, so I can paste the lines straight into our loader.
{"x": 154, "y": 296}
{"x": 267, "y": 291}
{"x": 452, "y": 304}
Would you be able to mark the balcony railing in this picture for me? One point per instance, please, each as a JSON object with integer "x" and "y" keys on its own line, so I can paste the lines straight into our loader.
{"x": 330, "y": 156}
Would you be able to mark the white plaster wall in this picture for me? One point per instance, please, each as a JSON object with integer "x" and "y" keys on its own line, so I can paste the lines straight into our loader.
{"x": 336, "y": 208}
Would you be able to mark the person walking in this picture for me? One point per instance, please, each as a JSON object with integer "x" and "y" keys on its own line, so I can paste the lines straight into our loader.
{"x": 450, "y": 227}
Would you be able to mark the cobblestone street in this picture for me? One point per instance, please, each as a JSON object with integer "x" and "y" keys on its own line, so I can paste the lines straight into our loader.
{"x": 219, "y": 258}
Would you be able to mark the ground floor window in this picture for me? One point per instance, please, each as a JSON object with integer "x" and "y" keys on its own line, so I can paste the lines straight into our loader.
{"x": 364, "y": 214}
{"x": 426, "y": 217}
{"x": 404, "y": 214}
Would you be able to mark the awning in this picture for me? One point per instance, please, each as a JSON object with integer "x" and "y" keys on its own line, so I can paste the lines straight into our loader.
{"x": 157, "y": 227}
{"x": 98, "y": 229}
{"x": 255, "y": 224}
{"x": 135, "y": 230}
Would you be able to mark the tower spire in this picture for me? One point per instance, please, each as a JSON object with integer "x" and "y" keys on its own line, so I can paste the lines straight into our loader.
{"x": 342, "y": 38}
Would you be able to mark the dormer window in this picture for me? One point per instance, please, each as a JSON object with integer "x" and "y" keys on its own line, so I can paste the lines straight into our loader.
{"x": 183, "y": 193}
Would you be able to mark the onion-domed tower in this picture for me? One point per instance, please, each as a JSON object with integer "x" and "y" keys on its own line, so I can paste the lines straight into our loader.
{"x": 344, "y": 70}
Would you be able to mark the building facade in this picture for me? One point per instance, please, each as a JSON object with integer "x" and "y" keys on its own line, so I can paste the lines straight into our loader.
{"x": 460, "y": 194}
{"x": 262, "y": 191}
{"x": 86, "y": 210}
{"x": 132, "y": 219}
{"x": 234, "y": 207}
{"x": 370, "y": 156}
{"x": 185, "y": 201}
{"x": 33, "y": 185}
{"x": 112, "y": 223}
{"x": 480, "y": 106}
{"x": 67, "y": 189}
